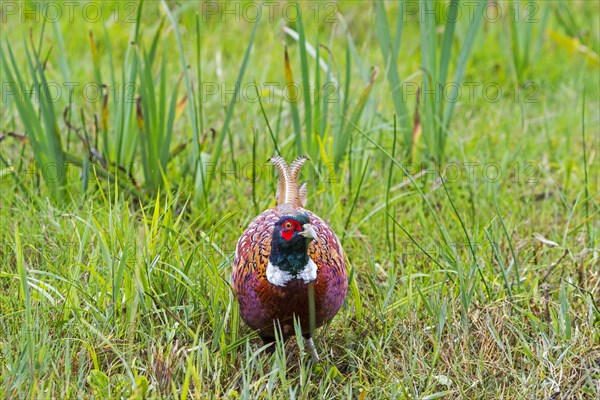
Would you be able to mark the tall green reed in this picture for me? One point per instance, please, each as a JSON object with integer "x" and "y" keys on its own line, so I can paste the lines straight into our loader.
{"x": 325, "y": 130}
{"x": 117, "y": 142}
{"x": 38, "y": 116}
{"x": 117, "y": 115}
{"x": 438, "y": 93}
{"x": 527, "y": 30}
{"x": 156, "y": 114}
{"x": 390, "y": 49}
{"x": 202, "y": 180}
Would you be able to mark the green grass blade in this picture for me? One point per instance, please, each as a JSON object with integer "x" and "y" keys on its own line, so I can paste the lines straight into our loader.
{"x": 438, "y": 222}
{"x": 461, "y": 64}
{"x": 389, "y": 51}
{"x": 590, "y": 236}
{"x": 342, "y": 141}
{"x": 430, "y": 86}
{"x": 293, "y": 100}
{"x": 453, "y": 8}
{"x": 28, "y": 328}
{"x": 358, "y": 189}
{"x": 500, "y": 262}
{"x": 200, "y": 106}
{"x": 64, "y": 65}
{"x": 510, "y": 244}
{"x": 316, "y": 105}
{"x": 200, "y": 183}
{"x": 264, "y": 114}
{"x": 216, "y": 154}
{"x": 346, "y": 99}
{"x": 306, "y": 88}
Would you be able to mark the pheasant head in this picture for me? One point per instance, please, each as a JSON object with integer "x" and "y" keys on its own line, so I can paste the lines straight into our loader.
{"x": 289, "y": 248}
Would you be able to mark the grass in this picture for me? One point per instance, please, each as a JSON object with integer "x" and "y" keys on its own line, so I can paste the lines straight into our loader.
{"x": 114, "y": 276}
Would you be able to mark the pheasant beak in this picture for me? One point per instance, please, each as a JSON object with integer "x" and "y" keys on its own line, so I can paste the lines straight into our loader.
{"x": 308, "y": 232}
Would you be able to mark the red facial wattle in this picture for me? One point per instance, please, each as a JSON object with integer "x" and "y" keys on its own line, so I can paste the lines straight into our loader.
{"x": 287, "y": 235}
{"x": 288, "y": 227}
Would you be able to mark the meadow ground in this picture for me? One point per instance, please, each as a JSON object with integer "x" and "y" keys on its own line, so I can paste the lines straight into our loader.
{"x": 471, "y": 235}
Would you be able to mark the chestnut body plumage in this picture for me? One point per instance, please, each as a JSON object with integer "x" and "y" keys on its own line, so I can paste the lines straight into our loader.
{"x": 286, "y": 261}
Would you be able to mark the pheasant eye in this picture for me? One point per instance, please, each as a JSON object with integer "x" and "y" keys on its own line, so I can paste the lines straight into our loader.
{"x": 288, "y": 225}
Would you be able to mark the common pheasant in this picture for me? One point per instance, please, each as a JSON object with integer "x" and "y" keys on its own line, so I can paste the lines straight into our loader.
{"x": 289, "y": 265}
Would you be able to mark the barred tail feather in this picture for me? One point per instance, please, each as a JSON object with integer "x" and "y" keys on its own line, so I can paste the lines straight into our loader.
{"x": 303, "y": 194}
{"x": 288, "y": 190}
